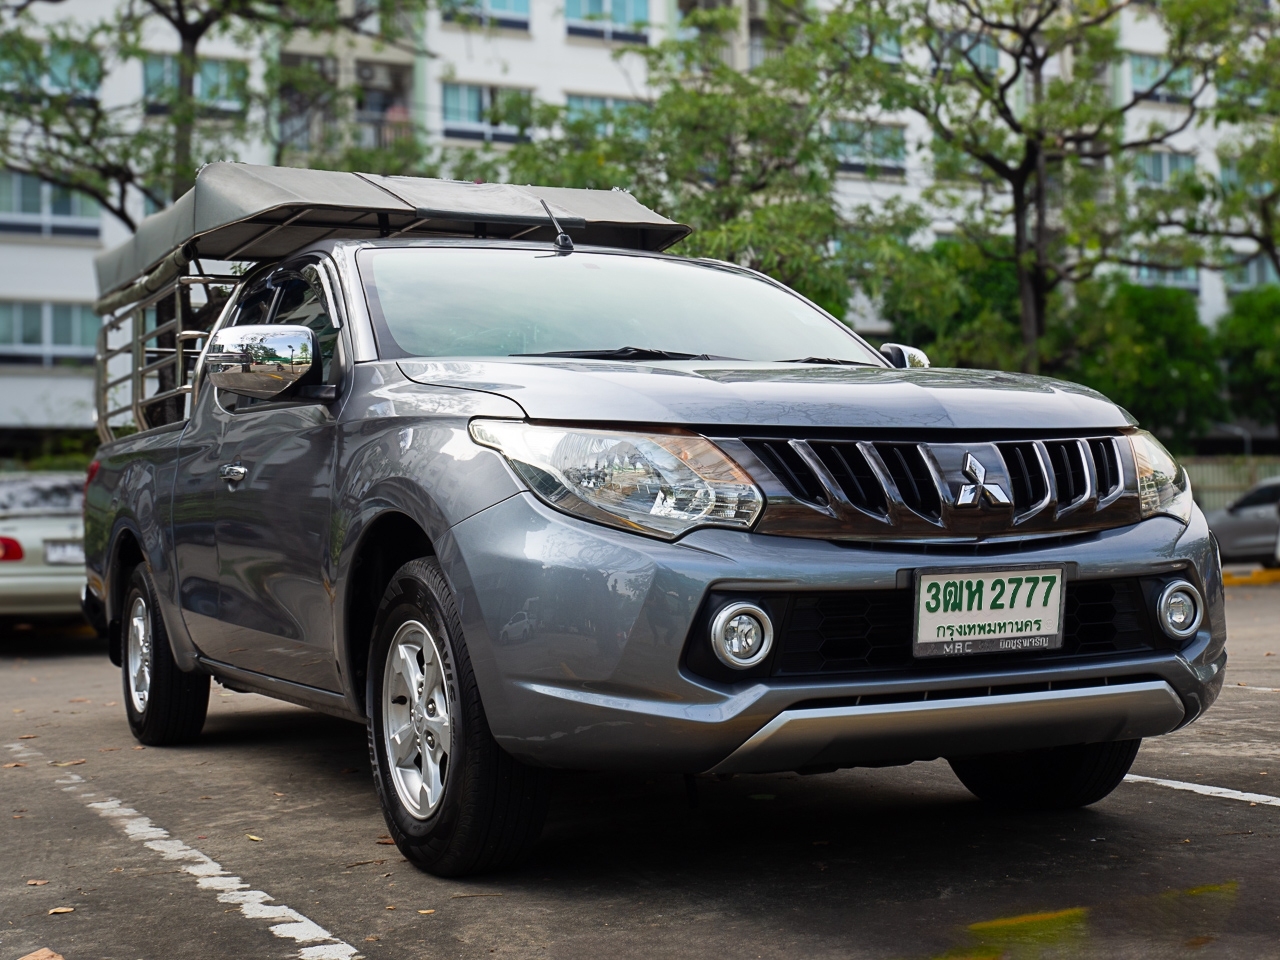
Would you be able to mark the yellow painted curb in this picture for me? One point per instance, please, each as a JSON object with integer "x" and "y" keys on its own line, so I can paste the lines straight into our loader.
{"x": 1257, "y": 578}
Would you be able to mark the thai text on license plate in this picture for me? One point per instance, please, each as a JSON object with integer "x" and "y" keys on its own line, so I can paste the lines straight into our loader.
{"x": 988, "y": 610}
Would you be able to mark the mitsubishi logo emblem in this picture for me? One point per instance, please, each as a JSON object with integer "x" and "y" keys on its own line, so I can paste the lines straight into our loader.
{"x": 970, "y": 493}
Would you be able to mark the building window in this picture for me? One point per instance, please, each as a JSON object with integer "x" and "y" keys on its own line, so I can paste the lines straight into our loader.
{"x": 219, "y": 86}
{"x": 496, "y": 114}
{"x": 48, "y": 334}
{"x": 1152, "y": 79}
{"x": 382, "y": 103}
{"x": 876, "y": 149}
{"x": 1257, "y": 272}
{"x": 1185, "y": 277}
{"x": 1160, "y": 168}
{"x": 579, "y": 108}
{"x": 29, "y": 205}
{"x": 507, "y": 14}
{"x": 625, "y": 21}
{"x": 970, "y": 49}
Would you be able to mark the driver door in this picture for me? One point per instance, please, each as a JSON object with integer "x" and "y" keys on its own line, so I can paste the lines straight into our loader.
{"x": 273, "y": 525}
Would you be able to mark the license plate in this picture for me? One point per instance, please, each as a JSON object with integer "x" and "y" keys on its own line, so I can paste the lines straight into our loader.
{"x": 988, "y": 610}
{"x": 59, "y": 553}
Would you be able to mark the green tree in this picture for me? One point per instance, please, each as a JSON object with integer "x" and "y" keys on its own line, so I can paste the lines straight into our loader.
{"x": 744, "y": 157}
{"x": 1146, "y": 349}
{"x": 1235, "y": 210}
{"x": 1035, "y": 130}
{"x": 958, "y": 304}
{"x": 53, "y": 120}
{"x": 1249, "y": 336}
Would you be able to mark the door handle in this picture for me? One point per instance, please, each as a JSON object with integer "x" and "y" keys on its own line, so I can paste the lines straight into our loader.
{"x": 233, "y": 472}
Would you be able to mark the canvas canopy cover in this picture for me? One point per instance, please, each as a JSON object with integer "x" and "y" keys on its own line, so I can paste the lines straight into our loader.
{"x": 239, "y": 211}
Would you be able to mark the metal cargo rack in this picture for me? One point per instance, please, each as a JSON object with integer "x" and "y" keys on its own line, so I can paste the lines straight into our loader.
{"x": 148, "y": 359}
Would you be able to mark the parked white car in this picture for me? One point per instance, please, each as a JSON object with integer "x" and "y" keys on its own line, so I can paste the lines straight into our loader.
{"x": 41, "y": 543}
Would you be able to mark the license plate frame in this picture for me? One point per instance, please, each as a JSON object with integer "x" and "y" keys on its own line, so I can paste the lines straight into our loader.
{"x": 1046, "y": 634}
{"x": 64, "y": 553}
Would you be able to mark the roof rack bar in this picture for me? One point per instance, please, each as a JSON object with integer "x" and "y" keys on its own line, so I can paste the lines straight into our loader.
{"x": 262, "y": 236}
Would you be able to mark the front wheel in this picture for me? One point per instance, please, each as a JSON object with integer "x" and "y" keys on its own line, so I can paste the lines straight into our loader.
{"x": 164, "y": 705}
{"x": 455, "y": 802}
{"x": 1056, "y": 777}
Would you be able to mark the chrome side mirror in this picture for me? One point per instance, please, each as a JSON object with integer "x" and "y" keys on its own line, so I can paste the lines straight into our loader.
{"x": 263, "y": 361}
{"x": 902, "y": 356}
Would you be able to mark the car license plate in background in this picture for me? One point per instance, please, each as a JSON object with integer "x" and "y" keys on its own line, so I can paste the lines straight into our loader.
{"x": 988, "y": 610}
{"x": 59, "y": 553}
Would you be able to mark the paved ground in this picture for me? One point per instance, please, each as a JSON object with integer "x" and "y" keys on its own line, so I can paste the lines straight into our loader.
{"x": 896, "y": 863}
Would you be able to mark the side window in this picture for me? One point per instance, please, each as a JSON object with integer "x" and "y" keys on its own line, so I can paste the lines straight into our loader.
{"x": 302, "y": 302}
{"x": 255, "y": 306}
{"x": 1261, "y": 497}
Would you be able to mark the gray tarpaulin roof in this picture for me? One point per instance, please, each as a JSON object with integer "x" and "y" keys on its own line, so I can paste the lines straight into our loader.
{"x": 239, "y": 211}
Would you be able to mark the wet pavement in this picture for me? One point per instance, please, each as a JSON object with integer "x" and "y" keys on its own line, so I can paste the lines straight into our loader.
{"x": 890, "y": 863}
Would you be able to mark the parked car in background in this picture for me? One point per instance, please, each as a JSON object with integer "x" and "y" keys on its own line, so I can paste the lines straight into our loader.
{"x": 1248, "y": 527}
{"x": 41, "y": 543}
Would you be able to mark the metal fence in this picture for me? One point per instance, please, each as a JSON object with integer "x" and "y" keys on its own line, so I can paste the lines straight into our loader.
{"x": 1216, "y": 481}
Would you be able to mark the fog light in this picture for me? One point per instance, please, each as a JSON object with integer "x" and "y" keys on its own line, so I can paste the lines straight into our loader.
{"x": 741, "y": 635}
{"x": 1180, "y": 609}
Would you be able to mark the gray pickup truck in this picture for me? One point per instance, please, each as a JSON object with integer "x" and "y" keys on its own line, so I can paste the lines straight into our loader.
{"x": 479, "y": 467}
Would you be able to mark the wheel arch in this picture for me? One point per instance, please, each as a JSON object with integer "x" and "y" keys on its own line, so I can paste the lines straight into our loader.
{"x": 125, "y": 554}
{"x": 388, "y": 542}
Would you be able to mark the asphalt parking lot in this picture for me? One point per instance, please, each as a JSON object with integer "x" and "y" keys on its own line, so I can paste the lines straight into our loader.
{"x": 263, "y": 841}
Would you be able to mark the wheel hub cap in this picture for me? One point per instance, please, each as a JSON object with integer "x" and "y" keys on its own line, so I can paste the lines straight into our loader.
{"x": 415, "y": 714}
{"x": 139, "y": 654}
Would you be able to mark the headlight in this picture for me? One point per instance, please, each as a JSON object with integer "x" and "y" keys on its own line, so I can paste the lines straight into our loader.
{"x": 1163, "y": 486}
{"x": 663, "y": 484}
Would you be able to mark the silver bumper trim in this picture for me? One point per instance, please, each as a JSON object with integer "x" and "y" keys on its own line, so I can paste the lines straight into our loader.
{"x": 848, "y": 736}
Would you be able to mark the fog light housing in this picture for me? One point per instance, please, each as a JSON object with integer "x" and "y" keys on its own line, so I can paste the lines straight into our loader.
{"x": 741, "y": 635}
{"x": 1180, "y": 609}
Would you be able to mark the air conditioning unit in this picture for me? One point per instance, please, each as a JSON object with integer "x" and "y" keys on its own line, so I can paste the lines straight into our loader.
{"x": 375, "y": 76}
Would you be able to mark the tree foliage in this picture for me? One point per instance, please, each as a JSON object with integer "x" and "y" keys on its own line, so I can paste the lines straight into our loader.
{"x": 1034, "y": 131}
{"x": 744, "y": 157}
{"x": 54, "y": 121}
{"x": 1249, "y": 336}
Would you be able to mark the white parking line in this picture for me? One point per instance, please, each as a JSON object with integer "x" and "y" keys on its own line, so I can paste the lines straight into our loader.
{"x": 1207, "y": 791}
{"x": 209, "y": 874}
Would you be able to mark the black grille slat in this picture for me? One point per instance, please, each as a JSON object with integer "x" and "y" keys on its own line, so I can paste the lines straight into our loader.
{"x": 850, "y": 469}
{"x": 912, "y": 476}
{"x": 789, "y": 467}
{"x": 1025, "y": 474}
{"x": 1106, "y": 465}
{"x": 1067, "y": 462}
{"x": 869, "y": 631}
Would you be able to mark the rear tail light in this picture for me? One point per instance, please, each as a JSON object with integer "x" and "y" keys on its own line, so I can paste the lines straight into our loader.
{"x": 10, "y": 549}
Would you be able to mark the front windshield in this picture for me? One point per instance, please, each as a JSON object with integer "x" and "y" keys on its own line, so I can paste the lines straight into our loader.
{"x": 494, "y": 302}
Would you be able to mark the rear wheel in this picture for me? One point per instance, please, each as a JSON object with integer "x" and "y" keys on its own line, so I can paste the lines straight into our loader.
{"x": 1057, "y": 777}
{"x": 164, "y": 705}
{"x": 455, "y": 802}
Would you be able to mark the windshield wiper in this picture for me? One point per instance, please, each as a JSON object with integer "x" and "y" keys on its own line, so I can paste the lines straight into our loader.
{"x": 623, "y": 353}
{"x": 832, "y": 360}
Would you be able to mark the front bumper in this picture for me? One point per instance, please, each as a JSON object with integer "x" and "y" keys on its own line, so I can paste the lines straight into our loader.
{"x": 594, "y": 677}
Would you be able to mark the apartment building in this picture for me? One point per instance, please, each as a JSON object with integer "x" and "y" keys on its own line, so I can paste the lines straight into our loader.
{"x": 474, "y": 56}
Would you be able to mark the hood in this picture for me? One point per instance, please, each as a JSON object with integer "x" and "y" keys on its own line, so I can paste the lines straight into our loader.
{"x": 777, "y": 394}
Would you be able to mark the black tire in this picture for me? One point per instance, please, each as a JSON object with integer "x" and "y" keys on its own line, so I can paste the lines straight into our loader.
{"x": 490, "y": 807}
{"x": 1055, "y": 778}
{"x": 174, "y": 706}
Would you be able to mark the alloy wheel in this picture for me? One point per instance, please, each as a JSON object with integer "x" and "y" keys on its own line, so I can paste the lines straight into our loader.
{"x": 415, "y": 718}
{"x": 139, "y": 654}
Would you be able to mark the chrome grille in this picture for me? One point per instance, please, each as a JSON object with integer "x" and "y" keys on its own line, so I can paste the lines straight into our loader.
{"x": 847, "y": 488}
